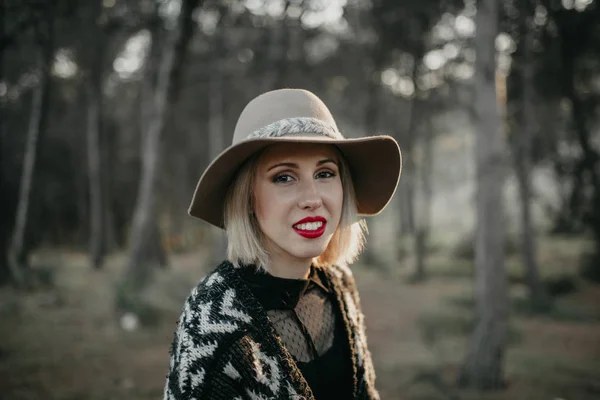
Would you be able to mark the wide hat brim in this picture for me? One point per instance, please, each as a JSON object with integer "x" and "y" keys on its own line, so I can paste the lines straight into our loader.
{"x": 375, "y": 164}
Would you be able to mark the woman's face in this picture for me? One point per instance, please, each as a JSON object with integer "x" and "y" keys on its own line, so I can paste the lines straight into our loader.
{"x": 298, "y": 200}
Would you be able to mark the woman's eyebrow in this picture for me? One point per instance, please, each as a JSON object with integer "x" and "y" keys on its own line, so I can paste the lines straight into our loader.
{"x": 294, "y": 165}
{"x": 283, "y": 164}
{"x": 327, "y": 160}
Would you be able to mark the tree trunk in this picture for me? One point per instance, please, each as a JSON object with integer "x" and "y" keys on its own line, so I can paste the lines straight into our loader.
{"x": 423, "y": 209}
{"x": 96, "y": 211}
{"x": 411, "y": 223}
{"x": 590, "y": 158}
{"x": 484, "y": 364}
{"x": 215, "y": 146}
{"x": 407, "y": 191}
{"x": 17, "y": 259}
{"x": 110, "y": 234}
{"x": 188, "y": 25}
{"x": 5, "y": 275}
{"x": 145, "y": 209}
{"x": 154, "y": 253}
{"x": 215, "y": 122}
{"x": 95, "y": 152}
{"x": 216, "y": 110}
{"x": 574, "y": 28}
{"x": 277, "y": 49}
{"x": 95, "y": 180}
{"x": 409, "y": 173}
{"x": 407, "y": 194}
{"x": 523, "y": 164}
{"x": 371, "y": 126}
{"x": 4, "y": 271}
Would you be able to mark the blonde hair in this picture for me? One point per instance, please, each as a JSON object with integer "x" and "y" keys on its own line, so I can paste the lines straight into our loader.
{"x": 246, "y": 240}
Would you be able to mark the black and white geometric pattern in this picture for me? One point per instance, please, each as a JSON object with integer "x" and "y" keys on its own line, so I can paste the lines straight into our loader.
{"x": 225, "y": 347}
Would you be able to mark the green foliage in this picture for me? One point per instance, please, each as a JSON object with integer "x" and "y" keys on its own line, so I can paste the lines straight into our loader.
{"x": 557, "y": 264}
{"x": 465, "y": 248}
{"x": 451, "y": 269}
{"x": 556, "y": 370}
{"x": 563, "y": 310}
{"x": 432, "y": 378}
{"x": 40, "y": 277}
{"x": 452, "y": 323}
{"x": 437, "y": 325}
{"x": 590, "y": 266}
{"x": 405, "y": 247}
{"x": 43, "y": 277}
{"x": 560, "y": 285}
{"x": 131, "y": 299}
{"x": 570, "y": 311}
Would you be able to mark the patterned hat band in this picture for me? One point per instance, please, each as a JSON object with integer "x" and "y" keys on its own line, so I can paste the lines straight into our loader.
{"x": 301, "y": 126}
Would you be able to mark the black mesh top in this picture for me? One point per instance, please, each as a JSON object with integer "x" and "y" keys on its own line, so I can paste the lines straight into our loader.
{"x": 306, "y": 315}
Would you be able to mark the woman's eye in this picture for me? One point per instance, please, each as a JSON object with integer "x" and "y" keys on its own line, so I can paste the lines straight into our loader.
{"x": 325, "y": 174}
{"x": 284, "y": 178}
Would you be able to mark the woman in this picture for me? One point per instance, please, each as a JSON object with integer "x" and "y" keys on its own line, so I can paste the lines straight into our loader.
{"x": 281, "y": 318}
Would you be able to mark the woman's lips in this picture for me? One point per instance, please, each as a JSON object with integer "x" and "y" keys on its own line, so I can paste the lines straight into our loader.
{"x": 311, "y": 234}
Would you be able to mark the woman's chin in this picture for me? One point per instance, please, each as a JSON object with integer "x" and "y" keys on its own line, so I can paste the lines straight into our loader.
{"x": 309, "y": 252}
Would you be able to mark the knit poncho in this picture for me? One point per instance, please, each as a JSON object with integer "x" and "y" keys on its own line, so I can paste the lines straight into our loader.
{"x": 225, "y": 346}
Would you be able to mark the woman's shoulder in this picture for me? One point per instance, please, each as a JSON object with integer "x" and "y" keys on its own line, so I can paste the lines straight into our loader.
{"x": 216, "y": 299}
{"x": 215, "y": 311}
{"x": 218, "y": 342}
{"x": 212, "y": 322}
{"x": 215, "y": 278}
{"x": 214, "y": 286}
{"x": 234, "y": 369}
{"x": 344, "y": 274}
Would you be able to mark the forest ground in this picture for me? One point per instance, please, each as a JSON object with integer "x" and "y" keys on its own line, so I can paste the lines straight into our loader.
{"x": 64, "y": 341}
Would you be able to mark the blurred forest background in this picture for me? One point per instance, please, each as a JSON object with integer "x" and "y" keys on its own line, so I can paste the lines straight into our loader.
{"x": 481, "y": 277}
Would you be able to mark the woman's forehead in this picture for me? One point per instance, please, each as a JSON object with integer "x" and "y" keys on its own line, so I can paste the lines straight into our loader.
{"x": 297, "y": 151}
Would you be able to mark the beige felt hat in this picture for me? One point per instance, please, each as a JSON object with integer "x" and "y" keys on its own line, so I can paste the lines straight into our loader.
{"x": 298, "y": 116}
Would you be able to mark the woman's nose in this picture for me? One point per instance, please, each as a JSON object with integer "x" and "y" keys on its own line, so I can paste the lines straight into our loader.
{"x": 309, "y": 197}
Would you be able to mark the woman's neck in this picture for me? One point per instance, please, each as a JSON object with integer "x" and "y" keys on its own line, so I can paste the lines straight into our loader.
{"x": 289, "y": 269}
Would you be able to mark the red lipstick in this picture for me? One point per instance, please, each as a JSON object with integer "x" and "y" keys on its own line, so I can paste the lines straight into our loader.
{"x": 311, "y": 234}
